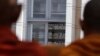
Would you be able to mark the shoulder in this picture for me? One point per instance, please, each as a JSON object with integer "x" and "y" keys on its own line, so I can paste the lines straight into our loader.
{"x": 30, "y": 49}
{"x": 76, "y": 48}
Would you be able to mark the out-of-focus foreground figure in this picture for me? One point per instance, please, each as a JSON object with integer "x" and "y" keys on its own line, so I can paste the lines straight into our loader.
{"x": 90, "y": 45}
{"x": 9, "y": 44}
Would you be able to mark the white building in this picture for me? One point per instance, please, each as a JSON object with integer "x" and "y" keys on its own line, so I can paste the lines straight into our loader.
{"x": 44, "y": 20}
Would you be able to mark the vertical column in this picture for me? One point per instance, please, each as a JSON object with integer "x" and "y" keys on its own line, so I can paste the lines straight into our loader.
{"x": 77, "y": 19}
{"x": 29, "y": 9}
{"x": 29, "y": 32}
{"x": 21, "y": 25}
{"x": 20, "y": 22}
{"x": 24, "y": 19}
{"x": 48, "y": 9}
{"x": 32, "y": 10}
{"x": 28, "y": 14}
{"x": 69, "y": 22}
{"x": 46, "y": 33}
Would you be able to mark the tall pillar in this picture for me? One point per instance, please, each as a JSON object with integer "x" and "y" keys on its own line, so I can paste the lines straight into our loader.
{"x": 73, "y": 15}
{"x": 21, "y": 23}
{"x": 70, "y": 18}
{"x": 77, "y": 19}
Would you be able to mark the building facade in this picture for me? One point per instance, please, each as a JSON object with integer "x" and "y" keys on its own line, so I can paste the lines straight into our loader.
{"x": 45, "y": 21}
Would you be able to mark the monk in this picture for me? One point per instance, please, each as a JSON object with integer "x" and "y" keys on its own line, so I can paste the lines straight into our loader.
{"x": 9, "y": 44}
{"x": 90, "y": 44}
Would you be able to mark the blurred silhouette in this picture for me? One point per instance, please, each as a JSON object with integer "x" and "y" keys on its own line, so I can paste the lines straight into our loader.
{"x": 9, "y": 44}
{"x": 90, "y": 44}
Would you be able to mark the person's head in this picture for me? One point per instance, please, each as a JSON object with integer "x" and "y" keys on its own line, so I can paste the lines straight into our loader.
{"x": 9, "y": 11}
{"x": 91, "y": 15}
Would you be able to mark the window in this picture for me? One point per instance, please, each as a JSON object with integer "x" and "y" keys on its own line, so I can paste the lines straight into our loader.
{"x": 39, "y": 8}
{"x": 58, "y": 9}
{"x": 38, "y": 32}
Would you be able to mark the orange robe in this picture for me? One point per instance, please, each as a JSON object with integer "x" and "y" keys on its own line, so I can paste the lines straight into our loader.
{"x": 10, "y": 46}
{"x": 89, "y": 46}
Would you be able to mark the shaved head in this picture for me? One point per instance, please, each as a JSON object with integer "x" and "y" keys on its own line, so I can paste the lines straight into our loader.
{"x": 92, "y": 16}
{"x": 12, "y": 2}
{"x": 9, "y": 11}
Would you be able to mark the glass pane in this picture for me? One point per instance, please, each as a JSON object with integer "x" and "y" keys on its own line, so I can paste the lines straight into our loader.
{"x": 58, "y": 9}
{"x": 56, "y": 33}
{"x": 39, "y": 8}
{"x": 39, "y": 32}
